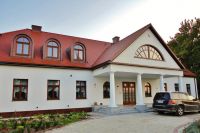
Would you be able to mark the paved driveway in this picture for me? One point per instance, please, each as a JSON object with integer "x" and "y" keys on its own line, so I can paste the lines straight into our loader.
{"x": 129, "y": 123}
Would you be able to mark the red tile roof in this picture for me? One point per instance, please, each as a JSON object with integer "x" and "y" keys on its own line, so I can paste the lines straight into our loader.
{"x": 188, "y": 73}
{"x": 97, "y": 52}
{"x": 93, "y": 49}
{"x": 114, "y": 50}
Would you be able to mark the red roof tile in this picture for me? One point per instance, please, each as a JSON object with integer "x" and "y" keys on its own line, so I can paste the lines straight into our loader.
{"x": 188, "y": 73}
{"x": 116, "y": 49}
{"x": 93, "y": 49}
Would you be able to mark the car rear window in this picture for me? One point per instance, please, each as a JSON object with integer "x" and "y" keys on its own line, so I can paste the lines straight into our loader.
{"x": 159, "y": 96}
{"x": 182, "y": 96}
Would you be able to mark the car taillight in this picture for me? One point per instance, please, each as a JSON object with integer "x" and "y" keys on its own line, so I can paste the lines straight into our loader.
{"x": 172, "y": 102}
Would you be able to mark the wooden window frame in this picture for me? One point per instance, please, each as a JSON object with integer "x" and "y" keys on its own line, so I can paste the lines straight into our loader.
{"x": 22, "y": 43}
{"x": 106, "y": 86}
{"x": 53, "y": 88}
{"x": 146, "y": 92}
{"x": 20, "y": 94}
{"x": 189, "y": 89}
{"x": 81, "y": 87}
{"x": 52, "y": 47}
{"x": 142, "y": 49}
{"x": 79, "y": 50}
{"x": 176, "y": 87}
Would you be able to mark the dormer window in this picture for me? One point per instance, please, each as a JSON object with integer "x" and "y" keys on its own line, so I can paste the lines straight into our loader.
{"x": 23, "y": 46}
{"x": 79, "y": 52}
{"x": 52, "y": 49}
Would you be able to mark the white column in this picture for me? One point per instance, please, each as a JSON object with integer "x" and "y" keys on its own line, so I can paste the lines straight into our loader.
{"x": 112, "y": 90}
{"x": 180, "y": 82}
{"x": 139, "y": 91}
{"x": 161, "y": 84}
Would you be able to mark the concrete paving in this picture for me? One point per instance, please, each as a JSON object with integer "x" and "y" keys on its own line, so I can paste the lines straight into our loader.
{"x": 130, "y": 123}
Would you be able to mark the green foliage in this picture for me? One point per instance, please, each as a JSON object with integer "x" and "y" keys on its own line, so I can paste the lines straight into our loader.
{"x": 186, "y": 45}
{"x": 193, "y": 128}
{"x": 39, "y": 122}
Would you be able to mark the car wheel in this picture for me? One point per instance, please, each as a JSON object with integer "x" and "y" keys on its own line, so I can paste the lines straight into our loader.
{"x": 179, "y": 111}
{"x": 160, "y": 112}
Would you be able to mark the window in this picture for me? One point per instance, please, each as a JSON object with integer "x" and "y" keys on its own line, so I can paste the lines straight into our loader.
{"x": 106, "y": 90}
{"x": 80, "y": 89}
{"x": 147, "y": 90}
{"x": 165, "y": 86}
{"x": 188, "y": 89}
{"x": 52, "y": 49}
{"x": 176, "y": 87}
{"x": 20, "y": 89}
{"x": 53, "y": 89}
{"x": 23, "y": 46}
{"x": 148, "y": 52}
{"x": 79, "y": 52}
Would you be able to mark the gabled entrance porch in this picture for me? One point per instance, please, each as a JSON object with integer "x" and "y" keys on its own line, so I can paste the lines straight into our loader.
{"x": 128, "y": 84}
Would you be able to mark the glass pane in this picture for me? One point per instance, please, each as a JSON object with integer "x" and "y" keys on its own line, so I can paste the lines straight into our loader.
{"x": 26, "y": 48}
{"x": 23, "y": 93}
{"x": 19, "y": 48}
{"x": 82, "y": 83}
{"x": 56, "y": 92}
{"x": 24, "y": 82}
{"x": 21, "y": 39}
{"x": 50, "y": 52}
{"x": 75, "y": 54}
{"x": 78, "y": 83}
{"x": 16, "y": 92}
{"x": 83, "y": 92}
{"x": 53, "y": 44}
{"x": 53, "y": 82}
{"x": 25, "y": 40}
{"x": 50, "y": 92}
{"x": 55, "y": 52}
{"x": 16, "y": 82}
{"x": 78, "y": 47}
{"x": 81, "y": 55}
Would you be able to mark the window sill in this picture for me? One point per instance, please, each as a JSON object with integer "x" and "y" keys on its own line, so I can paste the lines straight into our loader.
{"x": 81, "y": 98}
{"x": 15, "y": 100}
{"x": 52, "y": 99}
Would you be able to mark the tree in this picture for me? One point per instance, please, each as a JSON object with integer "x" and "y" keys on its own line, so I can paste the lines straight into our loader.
{"x": 186, "y": 45}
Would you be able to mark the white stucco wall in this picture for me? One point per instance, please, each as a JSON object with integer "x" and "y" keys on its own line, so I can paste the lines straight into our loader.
{"x": 186, "y": 80}
{"x": 127, "y": 56}
{"x": 37, "y": 88}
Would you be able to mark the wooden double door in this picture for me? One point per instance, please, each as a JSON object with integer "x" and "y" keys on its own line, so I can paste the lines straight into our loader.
{"x": 129, "y": 97}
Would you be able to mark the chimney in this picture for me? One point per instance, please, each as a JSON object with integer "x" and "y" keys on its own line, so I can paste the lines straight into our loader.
{"x": 36, "y": 28}
{"x": 115, "y": 39}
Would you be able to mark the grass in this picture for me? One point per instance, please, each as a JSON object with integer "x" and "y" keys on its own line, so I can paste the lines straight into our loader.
{"x": 39, "y": 122}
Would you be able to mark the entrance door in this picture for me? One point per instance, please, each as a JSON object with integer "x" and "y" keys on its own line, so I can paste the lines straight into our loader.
{"x": 129, "y": 93}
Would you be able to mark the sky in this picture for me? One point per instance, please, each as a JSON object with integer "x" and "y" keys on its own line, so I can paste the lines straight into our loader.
{"x": 97, "y": 19}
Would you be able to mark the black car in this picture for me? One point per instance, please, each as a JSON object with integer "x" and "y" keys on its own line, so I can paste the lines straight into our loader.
{"x": 177, "y": 102}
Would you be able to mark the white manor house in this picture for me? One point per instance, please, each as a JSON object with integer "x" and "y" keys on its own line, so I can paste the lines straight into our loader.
{"x": 42, "y": 72}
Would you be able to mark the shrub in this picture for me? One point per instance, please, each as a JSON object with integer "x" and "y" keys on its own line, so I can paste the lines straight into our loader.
{"x": 193, "y": 128}
{"x": 39, "y": 122}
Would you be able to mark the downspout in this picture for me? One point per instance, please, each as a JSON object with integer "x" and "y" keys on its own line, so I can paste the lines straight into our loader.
{"x": 195, "y": 88}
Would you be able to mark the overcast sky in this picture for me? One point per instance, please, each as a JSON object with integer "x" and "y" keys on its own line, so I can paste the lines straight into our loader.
{"x": 97, "y": 19}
